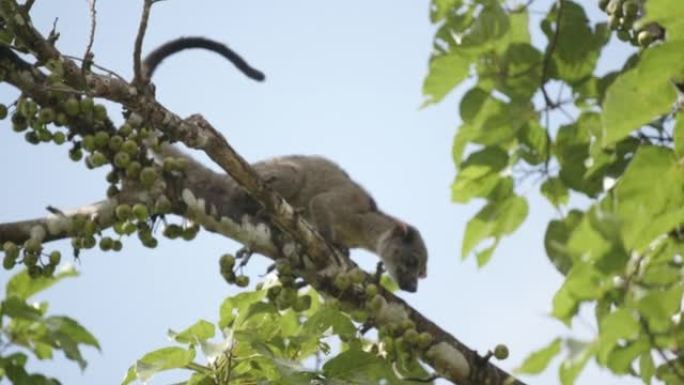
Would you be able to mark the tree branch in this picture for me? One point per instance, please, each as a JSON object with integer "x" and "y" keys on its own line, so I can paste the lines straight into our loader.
{"x": 447, "y": 355}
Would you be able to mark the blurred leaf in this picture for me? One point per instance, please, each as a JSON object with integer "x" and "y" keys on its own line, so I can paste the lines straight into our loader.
{"x": 620, "y": 360}
{"x": 158, "y": 361}
{"x": 445, "y": 72}
{"x": 658, "y": 307}
{"x": 555, "y": 191}
{"x": 199, "y": 331}
{"x": 234, "y": 309}
{"x": 15, "y": 307}
{"x": 495, "y": 220}
{"x": 620, "y": 324}
{"x": 24, "y": 286}
{"x": 537, "y": 361}
{"x": 678, "y": 134}
{"x": 556, "y": 238}
{"x": 479, "y": 174}
{"x": 646, "y": 367}
{"x": 573, "y": 366}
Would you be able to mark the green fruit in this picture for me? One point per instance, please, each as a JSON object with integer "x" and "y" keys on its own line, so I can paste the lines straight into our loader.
{"x": 32, "y": 137}
{"x": 630, "y": 8}
{"x": 10, "y": 249}
{"x": 125, "y": 129}
{"x": 624, "y": 35}
{"x": 19, "y": 123}
{"x": 614, "y": 21}
{"x": 371, "y": 290}
{"x": 140, "y": 211}
{"x": 173, "y": 231}
{"x": 190, "y": 232}
{"x": 229, "y": 276}
{"x": 101, "y": 139}
{"x": 117, "y": 245}
{"x": 614, "y": 8}
{"x": 112, "y": 191}
{"x": 88, "y": 143}
{"x": 3, "y": 111}
{"x": 35, "y": 271}
{"x": 55, "y": 257}
{"x": 148, "y": 176}
{"x": 342, "y": 282}
{"x": 162, "y": 205}
{"x": 88, "y": 242}
{"x": 133, "y": 169}
{"x": 75, "y": 154}
{"x": 130, "y": 146}
{"x": 377, "y": 302}
{"x": 112, "y": 176}
{"x": 87, "y": 105}
{"x": 59, "y": 137}
{"x": 123, "y": 212}
{"x": 46, "y": 115}
{"x": 122, "y": 159}
{"x": 227, "y": 262}
{"x": 411, "y": 336}
{"x": 72, "y": 107}
{"x": 33, "y": 246}
{"x": 242, "y": 281}
{"x": 115, "y": 142}
{"x": 356, "y": 275}
{"x": 8, "y": 262}
{"x": 106, "y": 243}
{"x": 501, "y": 352}
{"x": 100, "y": 112}
{"x": 424, "y": 340}
{"x": 644, "y": 38}
{"x": 97, "y": 159}
{"x": 60, "y": 119}
{"x": 169, "y": 164}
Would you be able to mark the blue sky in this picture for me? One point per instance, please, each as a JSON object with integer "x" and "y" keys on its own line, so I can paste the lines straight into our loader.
{"x": 344, "y": 81}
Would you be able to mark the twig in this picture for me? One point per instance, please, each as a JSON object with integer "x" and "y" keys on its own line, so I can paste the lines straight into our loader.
{"x": 139, "y": 78}
{"x": 27, "y": 5}
{"x": 101, "y": 68}
{"x": 88, "y": 56}
{"x": 549, "y": 53}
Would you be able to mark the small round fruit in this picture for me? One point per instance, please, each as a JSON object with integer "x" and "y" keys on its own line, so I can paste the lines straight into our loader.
{"x": 72, "y": 107}
{"x": 342, "y": 282}
{"x": 644, "y": 38}
{"x": 59, "y": 137}
{"x": 501, "y": 352}
{"x": 55, "y": 257}
{"x": 123, "y": 212}
{"x": 117, "y": 245}
{"x": 115, "y": 142}
{"x": 148, "y": 176}
{"x": 242, "y": 281}
{"x": 140, "y": 211}
{"x": 46, "y": 115}
{"x": 75, "y": 154}
{"x": 100, "y": 112}
{"x": 227, "y": 262}
{"x": 133, "y": 169}
{"x": 87, "y": 105}
{"x": 101, "y": 139}
{"x": 122, "y": 159}
{"x": 371, "y": 290}
{"x": 106, "y": 243}
{"x": 162, "y": 205}
{"x": 3, "y": 111}
{"x": 302, "y": 303}
{"x": 130, "y": 146}
{"x": 8, "y": 262}
{"x": 10, "y": 249}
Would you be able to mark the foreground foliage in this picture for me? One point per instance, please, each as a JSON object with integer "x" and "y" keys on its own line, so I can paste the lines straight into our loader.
{"x": 614, "y": 138}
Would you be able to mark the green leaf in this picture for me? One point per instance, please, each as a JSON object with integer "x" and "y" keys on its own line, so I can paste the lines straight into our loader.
{"x": 479, "y": 174}
{"x": 678, "y": 134}
{"x": 574, "y": 62}
{"x": 233, "y": 311}
{"x": 15, "y": 307}
{"x": 658, "y": 307}
{"x": 572, "y": 367}
{"x": 649, "y": 197}
{"x": 446, "y": 71}
{"x": 565, "y": 306}
{"x": 24, "y": 286}
{"x": 556, "y": 238}
{"x": 620, "y": 324}
{"x": 158, "y": 361}
{"x": 69, "y": 327}
{"x": 646, "y": 367}
{"x": 199, "y": 331}
{"x": 572, "y": 150}
{"x": 327, "y": 318}
{"x": 537, "y": 361}
{"x": 534, "y": 143}
{"x": 359, "y": 367}
{"x": 620, "y": 360}
{"x": 439, "y": 9}
{"x": 495, "y": 220}
{"x": 555, "y": 191}
{"x": 644, "y": 93}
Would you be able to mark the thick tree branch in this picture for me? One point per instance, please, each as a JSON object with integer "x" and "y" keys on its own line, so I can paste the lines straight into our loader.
{"x": 447, "y": 355}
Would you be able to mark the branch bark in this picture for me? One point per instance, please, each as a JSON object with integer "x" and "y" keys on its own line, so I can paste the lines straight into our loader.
{"x": 449, "y": 357}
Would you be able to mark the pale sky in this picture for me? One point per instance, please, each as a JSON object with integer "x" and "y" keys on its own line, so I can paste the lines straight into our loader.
{"x": 344, "y": 81}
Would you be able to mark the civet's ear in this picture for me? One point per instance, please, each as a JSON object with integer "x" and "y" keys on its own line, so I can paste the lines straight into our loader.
{"x": 400, "y": 229}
